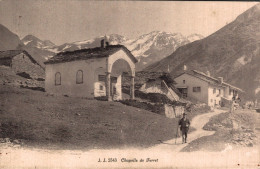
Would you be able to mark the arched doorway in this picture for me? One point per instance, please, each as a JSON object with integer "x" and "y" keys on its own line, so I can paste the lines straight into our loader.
{"x": 117, "y": 64}
{"x": 121, "y": 74}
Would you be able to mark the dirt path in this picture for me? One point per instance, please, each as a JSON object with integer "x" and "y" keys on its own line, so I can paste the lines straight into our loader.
{"x": 198, "y": 122}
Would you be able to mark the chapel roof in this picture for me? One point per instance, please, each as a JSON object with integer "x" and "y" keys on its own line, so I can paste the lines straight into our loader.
{"x": 91, "y": 53}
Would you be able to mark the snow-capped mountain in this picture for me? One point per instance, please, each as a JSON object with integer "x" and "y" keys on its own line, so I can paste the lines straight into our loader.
{"x": 32, "y": 41}
{"x": 154, "y": 46}
{"x": 147, "y": 48}
{"x": 113, "y": 39}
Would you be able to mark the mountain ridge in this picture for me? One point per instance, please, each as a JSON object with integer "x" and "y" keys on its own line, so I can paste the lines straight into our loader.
{"x": 9, "y": 40}
{"x": 147, "y": 48}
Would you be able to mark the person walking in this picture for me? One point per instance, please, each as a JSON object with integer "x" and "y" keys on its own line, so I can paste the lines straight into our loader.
{"x": 232, "y": 105}
{"x": 184, "y": 124}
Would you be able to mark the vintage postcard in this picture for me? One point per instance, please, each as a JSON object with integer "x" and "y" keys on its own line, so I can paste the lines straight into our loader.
{"x": 129, "y": 84}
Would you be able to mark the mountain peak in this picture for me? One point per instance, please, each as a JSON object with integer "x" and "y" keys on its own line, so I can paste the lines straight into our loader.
{"x": 8, "y": 40}
{"x": 33, "y": 41}
{"x": 30, "y": 37}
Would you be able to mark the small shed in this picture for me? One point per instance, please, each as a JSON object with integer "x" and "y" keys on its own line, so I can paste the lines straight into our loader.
{"x": 21, "y": 61}
{"x": 162, "y": 84}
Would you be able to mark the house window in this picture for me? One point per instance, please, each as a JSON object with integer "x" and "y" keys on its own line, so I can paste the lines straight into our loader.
{"x": 79, "y": 77}
{"x": 102, "y": 78}
{"x": 57, "y": 79}
{"x": 183, "y": 81}
{"x": 214, "y": 90}
{"x": 101, "y": 87}
{"x": 196, "y": 89}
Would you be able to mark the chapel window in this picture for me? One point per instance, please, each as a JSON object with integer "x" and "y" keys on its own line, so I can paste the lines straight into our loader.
{"x": 57, "y": 79}
{"x": 79, "y": 77}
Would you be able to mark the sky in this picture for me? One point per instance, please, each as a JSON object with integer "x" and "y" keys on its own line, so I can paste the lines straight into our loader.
{"x": 75, "y": 20}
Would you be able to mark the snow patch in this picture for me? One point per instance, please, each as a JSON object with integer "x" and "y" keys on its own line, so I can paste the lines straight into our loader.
{"x": 243, "y": 60}
{"x": 48, "y": 57}
{"x": 26, "y": 42}
{"x": 39, "y": 45}
{"x": 54, "y": 50}
{"x": 79, "y": 46}
{"x": 66, "y": 47}
{"x": 83, "y": 42}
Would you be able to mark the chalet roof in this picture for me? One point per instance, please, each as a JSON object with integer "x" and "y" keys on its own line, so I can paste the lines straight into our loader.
{"x": 12, "y": 53}
{"x": 209, "y": 79}
{"x": 166, "y": 77}
{"x": 91, "y": 53}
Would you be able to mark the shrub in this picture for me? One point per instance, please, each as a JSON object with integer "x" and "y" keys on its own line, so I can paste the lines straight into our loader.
{"x": 24, "y": 75}
{"x": 33, "y": 88}
{"x": 40, "y": 79}
{"x": 156, "y": 108}
{"x": 101, "y": 98}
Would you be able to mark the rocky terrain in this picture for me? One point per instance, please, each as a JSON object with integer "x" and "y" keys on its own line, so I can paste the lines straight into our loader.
{"x": 233, "y": 52}
{"x": 233, "y": 130}
{"x": 8, "y": 77}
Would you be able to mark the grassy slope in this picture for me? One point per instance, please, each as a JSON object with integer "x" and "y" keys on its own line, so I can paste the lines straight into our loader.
{"x": 75, "y": 123}
{"x": 237, "y": 129}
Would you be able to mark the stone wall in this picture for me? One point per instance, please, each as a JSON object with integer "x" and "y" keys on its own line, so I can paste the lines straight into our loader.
{"x": 22, "y": 63}
{"x": 173, "y": 111}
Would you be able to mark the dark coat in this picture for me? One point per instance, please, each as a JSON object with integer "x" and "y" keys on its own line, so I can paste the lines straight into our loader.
{"x": 185, "y": 124}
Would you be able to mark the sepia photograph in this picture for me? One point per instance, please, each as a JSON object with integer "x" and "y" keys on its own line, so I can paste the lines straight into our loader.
{"x": 129, "y": 84}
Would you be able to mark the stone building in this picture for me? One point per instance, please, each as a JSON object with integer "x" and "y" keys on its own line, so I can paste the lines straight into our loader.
{"x": 162, "y": 84}
{"x": 21, "y": 61}
{"x": 95, "y": 72}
